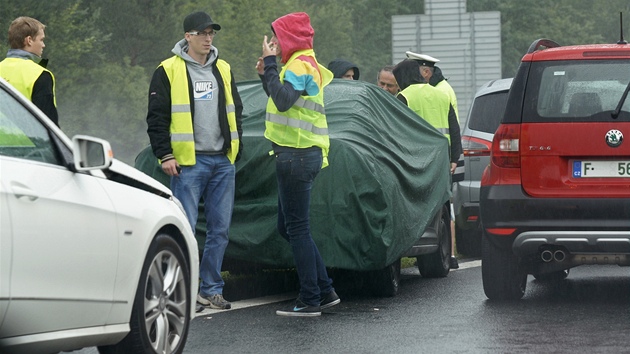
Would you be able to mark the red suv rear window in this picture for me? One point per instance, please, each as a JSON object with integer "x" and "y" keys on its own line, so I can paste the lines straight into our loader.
{"x": 576, "y": 91}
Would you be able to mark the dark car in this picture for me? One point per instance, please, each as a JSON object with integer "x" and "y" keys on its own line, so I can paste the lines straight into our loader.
{"x": 384, "y": 195}
{"x": 483, "y": 120}
{"x": 556, "y": 194}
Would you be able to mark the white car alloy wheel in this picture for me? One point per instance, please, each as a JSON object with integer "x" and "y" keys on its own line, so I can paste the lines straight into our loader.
{"x": 161, "y": 311}
{"x": 165, "y": 302}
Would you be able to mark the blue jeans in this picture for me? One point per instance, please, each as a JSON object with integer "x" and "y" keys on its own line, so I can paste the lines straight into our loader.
{"x": 295, "y": 172}
{"x": 210, "y": 179}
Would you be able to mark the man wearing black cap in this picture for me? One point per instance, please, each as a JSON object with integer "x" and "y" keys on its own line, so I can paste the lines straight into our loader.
{"x": 194, "y": 125}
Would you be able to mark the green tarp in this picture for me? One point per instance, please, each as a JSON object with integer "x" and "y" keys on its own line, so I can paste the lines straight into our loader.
{"x": 388, "y": 176}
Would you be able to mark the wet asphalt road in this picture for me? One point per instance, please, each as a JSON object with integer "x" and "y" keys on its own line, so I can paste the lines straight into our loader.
{"x": 588, "y": 312}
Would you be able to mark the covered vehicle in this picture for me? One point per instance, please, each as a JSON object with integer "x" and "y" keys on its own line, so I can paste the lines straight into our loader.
{"x": 384, "y": 195}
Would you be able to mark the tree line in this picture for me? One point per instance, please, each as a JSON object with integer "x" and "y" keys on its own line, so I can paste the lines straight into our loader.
{"x": 103, "y": 53}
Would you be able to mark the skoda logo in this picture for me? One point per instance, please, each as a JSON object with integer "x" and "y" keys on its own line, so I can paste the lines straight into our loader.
{"x": 614, "y": 138}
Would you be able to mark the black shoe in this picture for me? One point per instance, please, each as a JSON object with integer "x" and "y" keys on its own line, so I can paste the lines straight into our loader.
{"x": 300, "y": 309}
{"x": 198, "y": 307}
{"x": 453, "y": 263}
{"x": 329, "y": 300}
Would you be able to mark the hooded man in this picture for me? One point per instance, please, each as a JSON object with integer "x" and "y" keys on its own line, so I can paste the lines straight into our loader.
{"x": 194, "y": 126}
{"x": 24, "y": 67}
{"x": 296, "y": 125}
{"x": 343, "y": 69}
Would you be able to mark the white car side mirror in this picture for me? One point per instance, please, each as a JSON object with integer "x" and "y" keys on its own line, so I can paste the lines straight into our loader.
{"x": 91, "y": 153}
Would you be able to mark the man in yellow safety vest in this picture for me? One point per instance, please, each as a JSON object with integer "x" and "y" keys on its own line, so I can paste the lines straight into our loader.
{"x": 435, "y": 106}
{"x": 194, "y": 126}
{"x": 25, "y": 69}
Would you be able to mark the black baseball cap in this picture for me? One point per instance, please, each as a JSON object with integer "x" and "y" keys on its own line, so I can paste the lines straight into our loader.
{"x": 198, "y": 21}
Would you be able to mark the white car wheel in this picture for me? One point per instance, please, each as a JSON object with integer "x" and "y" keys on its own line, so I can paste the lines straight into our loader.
{"x": 161, "y": 312}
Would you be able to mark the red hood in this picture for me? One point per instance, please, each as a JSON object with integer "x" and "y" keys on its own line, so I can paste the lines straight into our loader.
{"x": 294, "y": 32}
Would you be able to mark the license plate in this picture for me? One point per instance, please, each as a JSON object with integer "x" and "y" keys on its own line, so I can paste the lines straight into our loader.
{"x": 585, "y": 169}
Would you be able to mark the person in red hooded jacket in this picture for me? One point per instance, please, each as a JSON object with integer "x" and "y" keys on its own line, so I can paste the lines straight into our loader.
{"x": 296, "y": 125}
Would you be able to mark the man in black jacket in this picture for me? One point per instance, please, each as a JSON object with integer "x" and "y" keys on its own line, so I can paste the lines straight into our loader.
{"x": 194, "y": 125}
{"x": 24, "y": 67}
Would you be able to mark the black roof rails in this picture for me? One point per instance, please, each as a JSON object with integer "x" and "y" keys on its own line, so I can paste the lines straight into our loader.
{"x": 542, "y": 42}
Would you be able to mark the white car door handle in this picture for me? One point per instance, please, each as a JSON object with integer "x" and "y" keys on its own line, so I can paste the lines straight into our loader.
{"x": 22, "y": 192}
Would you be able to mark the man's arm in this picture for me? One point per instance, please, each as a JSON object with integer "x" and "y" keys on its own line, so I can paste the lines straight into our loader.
{"x": 456, "y": 136}
{"x": 402, "y": 99}
{"x": 159, "y": 115}
{"x": 43, "y": 96}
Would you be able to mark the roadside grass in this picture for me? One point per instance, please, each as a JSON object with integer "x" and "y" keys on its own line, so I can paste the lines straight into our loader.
{"x": 407, "y": 262}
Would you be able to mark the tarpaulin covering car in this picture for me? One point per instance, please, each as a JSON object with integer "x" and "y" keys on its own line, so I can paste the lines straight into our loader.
{"x": 388, "y": 177}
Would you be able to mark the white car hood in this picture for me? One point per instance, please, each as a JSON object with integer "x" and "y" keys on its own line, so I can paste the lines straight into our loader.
{"x": 122, "y": 168}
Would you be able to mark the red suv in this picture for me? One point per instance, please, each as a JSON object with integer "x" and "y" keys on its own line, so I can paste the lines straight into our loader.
{"x": 556, "y": 193}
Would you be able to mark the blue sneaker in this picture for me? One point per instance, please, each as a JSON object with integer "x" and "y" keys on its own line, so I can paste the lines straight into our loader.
{"x": 329, "y": 300}
{"x": 300, "y": 309}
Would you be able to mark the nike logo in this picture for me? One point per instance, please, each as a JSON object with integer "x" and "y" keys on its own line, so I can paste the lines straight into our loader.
{"x": 298, "y": 308}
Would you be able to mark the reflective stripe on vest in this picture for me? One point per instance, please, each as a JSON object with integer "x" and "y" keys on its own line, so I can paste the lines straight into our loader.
{"x": 431, "y": 104}
{"x": 181, "y": 129}
{"x": 296, "y": 123}
{"x": 304, "y": 124}
{"x": 22, "y": 74}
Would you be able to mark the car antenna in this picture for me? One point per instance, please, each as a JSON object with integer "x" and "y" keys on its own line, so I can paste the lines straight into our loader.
{"x": 621, "y": 41}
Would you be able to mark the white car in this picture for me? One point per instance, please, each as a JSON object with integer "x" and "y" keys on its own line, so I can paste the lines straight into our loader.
{"x": 92, "y": 251}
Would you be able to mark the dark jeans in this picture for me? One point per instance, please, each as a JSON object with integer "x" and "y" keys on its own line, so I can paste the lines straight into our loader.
{"x": 296, "y": 170}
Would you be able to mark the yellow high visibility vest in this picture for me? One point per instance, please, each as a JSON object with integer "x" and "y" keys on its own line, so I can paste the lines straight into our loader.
{"x": 22, "y": 74}
{"x": 182, "y": 135}
{"x": 445, "y": 87}
{"x": 431, "y": 104}
{"x": 303, "y": 125}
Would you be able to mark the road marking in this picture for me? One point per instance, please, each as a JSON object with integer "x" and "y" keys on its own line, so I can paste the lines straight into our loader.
{"x": 470, "y": 264}
{"x": 237, "y": 305}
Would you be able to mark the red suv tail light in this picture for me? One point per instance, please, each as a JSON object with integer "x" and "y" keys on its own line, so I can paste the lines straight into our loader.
{"x": 505, "y": 146}
{"x": 475, "y": 146}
